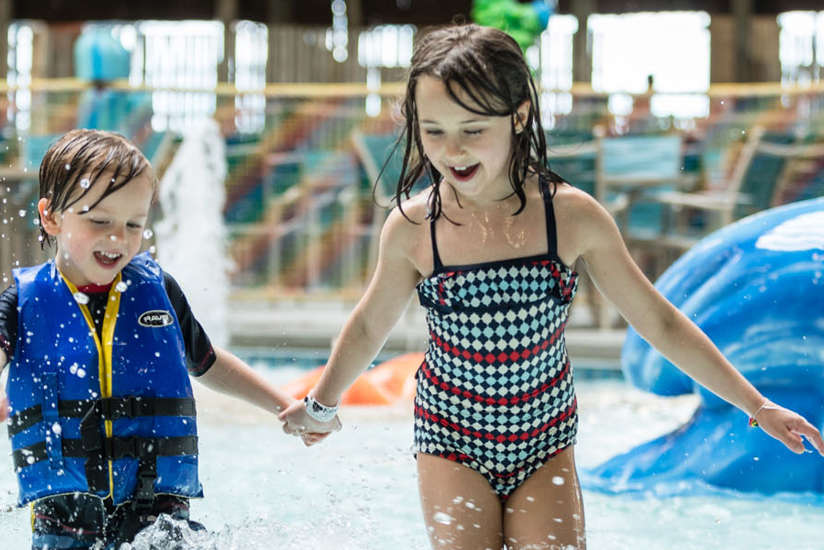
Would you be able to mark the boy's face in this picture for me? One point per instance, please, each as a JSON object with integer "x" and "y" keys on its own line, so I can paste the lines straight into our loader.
{"x": 94, "y": 245}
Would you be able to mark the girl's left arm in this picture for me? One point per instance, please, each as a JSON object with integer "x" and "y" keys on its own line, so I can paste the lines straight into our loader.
{"x": 230, "y": 375}
{"x": 616, "y": 275}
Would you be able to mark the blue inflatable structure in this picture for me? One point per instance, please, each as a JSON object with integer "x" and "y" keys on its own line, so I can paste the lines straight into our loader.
{"x": 756, "y": 288}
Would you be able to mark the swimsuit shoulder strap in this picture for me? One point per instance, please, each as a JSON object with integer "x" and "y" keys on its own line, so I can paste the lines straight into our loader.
{"x": 549, "y": 211}
{"x": 436, "y": 257}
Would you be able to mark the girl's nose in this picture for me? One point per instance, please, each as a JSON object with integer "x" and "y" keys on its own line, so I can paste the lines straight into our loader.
{"x": 454, "y": 148}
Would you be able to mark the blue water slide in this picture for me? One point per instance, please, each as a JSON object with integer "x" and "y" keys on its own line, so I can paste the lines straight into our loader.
{"x": 756, "y": 288}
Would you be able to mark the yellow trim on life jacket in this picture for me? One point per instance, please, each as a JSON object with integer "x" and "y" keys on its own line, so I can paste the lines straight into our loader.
{"x": 104, "y": 350}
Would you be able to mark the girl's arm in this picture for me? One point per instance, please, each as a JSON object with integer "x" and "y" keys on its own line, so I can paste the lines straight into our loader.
{"x": 368, "y": 326}
{"x": 616, "y": 275}
{"x": 230, "y": 375}
{"x": 4, "y": 401}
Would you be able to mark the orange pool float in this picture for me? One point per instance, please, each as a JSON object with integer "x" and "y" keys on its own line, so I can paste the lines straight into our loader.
{"x": 387, "y": 383}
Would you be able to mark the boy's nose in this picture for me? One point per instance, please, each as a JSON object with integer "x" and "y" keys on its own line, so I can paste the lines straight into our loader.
{"x": 117, "y": 234}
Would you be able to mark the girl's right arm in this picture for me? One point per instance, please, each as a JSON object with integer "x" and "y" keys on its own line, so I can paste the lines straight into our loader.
{"x": 4, "y": 401}
{"x": 368, "y": 326}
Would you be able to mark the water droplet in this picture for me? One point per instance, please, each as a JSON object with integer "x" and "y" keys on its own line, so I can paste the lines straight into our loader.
{"x": 81, "y": 373}
{"x": 81, "y": 298}
{"x": 121, "y": 287}
{"x": 85, "y": 183}
{"x": 21, "y": 213}
{"x": 68, "y": 166}
{"x": 442, "y": 518}
{"x": 73, "y": 369}
{"x": 152, "y": 249}
{"x": 56, "y": 428}
{"x": 558, "y": 480}
{"x": 148, "y": 234}
{"x": 30, "y": 459}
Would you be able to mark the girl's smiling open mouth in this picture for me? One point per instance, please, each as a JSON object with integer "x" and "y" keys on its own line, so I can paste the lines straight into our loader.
{"x": 463, "y": 173}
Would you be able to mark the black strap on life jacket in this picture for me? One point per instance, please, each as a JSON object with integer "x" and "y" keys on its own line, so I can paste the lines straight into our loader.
{"x": 111, "y": 408}
{"x": 99, "y": 449}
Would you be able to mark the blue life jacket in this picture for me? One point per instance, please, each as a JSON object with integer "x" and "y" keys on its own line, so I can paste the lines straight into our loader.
{"x": 111, "y": 416}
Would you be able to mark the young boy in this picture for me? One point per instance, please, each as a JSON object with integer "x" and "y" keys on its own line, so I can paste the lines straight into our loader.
{"x": 101, "y": 343}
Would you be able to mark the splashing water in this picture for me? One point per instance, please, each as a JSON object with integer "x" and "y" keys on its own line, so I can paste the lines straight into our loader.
{"x": 167, "y": 533}
{"x": 121, "y": 287}
{"x": 81, "y": 298}
{"x": 191, "y": 236}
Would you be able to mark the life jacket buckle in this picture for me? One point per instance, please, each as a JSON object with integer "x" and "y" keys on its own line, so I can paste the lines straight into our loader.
{"x": 144, "y": 490}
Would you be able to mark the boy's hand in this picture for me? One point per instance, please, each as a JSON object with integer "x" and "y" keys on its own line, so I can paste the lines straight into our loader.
{"x": 788, "y": 427}
{"x": 297, "y": 422}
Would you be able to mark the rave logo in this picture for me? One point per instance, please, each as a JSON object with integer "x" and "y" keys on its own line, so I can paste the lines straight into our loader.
{"x": 155, "y": 318}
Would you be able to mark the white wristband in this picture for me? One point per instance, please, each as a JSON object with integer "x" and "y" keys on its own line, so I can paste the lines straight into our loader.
{"x": 319, "y": 411}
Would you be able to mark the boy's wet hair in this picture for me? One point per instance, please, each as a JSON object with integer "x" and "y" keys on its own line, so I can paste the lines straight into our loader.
{"x": 487, "y": 66}
{"x": 75, "y": 164}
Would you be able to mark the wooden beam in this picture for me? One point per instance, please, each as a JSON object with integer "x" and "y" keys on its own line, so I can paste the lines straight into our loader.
{"x": 742, "y": 14}
{"x": 6, "y": 14}
{"x": 581, "y": 50}
{"x": 226, "y": 11}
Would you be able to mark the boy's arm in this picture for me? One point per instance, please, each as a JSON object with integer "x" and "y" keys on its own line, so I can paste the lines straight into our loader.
{"x": 230, "y": 375}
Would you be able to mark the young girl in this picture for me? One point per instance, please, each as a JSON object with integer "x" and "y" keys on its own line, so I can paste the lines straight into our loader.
{"x": 488, "y": 248}
{"x": 101, "y": 343}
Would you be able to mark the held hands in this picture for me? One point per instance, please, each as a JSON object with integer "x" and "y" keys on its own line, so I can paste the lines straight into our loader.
{"x": 296, "y": 421}
{"x": 787, "y": 427}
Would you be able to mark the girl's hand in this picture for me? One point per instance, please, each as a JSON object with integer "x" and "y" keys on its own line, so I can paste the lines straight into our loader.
{"x": 788, "y": 427}
{"x": 297, "y": 422}
{"x": 4, "y": 407}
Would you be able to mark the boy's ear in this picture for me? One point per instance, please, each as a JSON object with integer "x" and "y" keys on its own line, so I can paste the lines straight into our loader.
{"x": 522, "y": 115}
{"x": 48, "y": 219}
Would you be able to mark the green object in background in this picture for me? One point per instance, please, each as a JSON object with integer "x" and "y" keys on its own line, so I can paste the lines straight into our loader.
{"x": 523, "y": 22}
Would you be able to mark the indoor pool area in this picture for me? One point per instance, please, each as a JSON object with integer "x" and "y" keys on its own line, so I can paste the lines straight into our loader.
{"x": 357, "y": 490}
{"x": 662, "y": 263}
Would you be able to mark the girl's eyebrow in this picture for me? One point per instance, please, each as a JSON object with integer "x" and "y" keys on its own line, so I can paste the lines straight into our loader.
{"x": 468, "y": 121}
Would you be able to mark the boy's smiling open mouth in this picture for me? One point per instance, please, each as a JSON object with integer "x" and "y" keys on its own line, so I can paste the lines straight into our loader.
{"x": 107, "y": 259}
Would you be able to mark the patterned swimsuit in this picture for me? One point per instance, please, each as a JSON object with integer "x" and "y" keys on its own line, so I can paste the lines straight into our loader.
{"x": 495, "y": 390}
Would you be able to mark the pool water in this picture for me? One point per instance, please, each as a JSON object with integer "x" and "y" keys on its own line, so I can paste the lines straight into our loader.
{"x": 357, "y": 490}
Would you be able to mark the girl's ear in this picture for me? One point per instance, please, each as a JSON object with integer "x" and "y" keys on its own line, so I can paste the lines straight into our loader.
{"x": 522, "y": 115}
{"x": 49, "y": 221}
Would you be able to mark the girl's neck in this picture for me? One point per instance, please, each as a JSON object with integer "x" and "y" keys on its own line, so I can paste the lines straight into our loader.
{"x": 502, "y": 199}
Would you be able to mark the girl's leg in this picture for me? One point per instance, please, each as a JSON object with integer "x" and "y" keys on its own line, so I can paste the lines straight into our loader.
{"x": 460, "y": 509}
{"x": 547, "y": 512}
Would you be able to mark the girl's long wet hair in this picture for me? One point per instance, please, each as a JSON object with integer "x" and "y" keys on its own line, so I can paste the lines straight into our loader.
{"x": 487, "y": 65}
{"x": 75, "y": 163}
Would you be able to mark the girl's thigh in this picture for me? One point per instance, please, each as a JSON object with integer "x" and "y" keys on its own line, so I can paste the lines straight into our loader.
{"x": 546, "y": 512}
{"x": 460, "y": 509}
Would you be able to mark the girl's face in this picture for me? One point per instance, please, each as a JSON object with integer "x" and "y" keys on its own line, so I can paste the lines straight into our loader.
{"x": 471, "y": 151}
{"x": 94, "y": 245}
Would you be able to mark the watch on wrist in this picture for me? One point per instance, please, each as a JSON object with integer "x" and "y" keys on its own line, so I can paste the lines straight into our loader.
{"x": 319, "y": 411}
